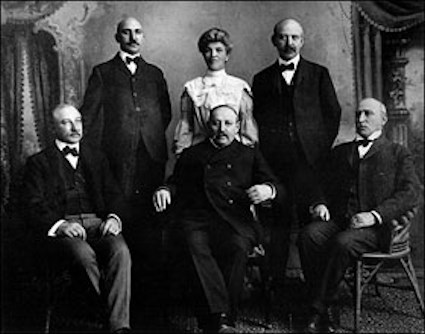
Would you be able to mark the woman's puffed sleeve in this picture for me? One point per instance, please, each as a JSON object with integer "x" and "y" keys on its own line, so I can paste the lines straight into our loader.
{"x": 184, "y": 130}
{"x": 248, "y": 130}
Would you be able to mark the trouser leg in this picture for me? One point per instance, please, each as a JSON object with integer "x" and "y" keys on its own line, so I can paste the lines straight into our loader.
{"x": 209, "y": 273}
{"x": 115, "y": 260}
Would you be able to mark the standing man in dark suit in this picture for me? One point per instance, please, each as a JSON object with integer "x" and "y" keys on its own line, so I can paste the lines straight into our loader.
{"x": 370, "y": 182}
{"x": 126, "y": 111}
{"x": 74, "y": 207}
{"x": 213, "y": 186}
{"x": 298, "y": 115}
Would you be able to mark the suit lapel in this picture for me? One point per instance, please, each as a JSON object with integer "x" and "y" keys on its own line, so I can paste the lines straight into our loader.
{"x": 301, "y": 73}
{"x": 54, "y": 159}
{"x": 376, "y": 147}
{"x": 353, "y": 154}
{"x": 277, "y": 78}
{"x": 120, "y": 65}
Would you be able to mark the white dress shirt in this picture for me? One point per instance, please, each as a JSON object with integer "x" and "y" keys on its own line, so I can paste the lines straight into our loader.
{"x": 132, "y": 67}
{"x": 73, "y": 161}
{"x": 288, "y": 75}
{"x": 364, "y": 149}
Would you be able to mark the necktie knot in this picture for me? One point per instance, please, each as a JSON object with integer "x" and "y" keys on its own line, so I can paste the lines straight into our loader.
{"x": 289, "y": 67}
{"x": 67, "y": 150}
{"x": 130, "y": 60}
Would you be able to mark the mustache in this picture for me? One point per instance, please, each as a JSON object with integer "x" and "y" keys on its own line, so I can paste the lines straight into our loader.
{"x": 289, "y": 48}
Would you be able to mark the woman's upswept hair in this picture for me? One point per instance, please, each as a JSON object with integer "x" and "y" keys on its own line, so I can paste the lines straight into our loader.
{"x": 215, "y": 35}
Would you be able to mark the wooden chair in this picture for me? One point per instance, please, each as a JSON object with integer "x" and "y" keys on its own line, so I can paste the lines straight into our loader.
{"x": 369, "y": 264}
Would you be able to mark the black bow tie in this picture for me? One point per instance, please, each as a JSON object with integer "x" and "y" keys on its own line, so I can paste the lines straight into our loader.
{"x": 67, "y": 150}
{"x": 130, "y": 60}
{"x": 289, "y": 67}
{"x": 364, "y": 142}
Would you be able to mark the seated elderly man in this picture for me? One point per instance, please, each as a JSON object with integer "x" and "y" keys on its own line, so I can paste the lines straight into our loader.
{"x": 371, "y": 182}
{"x": 74, "y": 207}
{"x": 213, "y": 187}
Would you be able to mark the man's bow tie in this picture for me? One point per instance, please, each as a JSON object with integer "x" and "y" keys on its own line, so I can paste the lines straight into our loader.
{"x": 364, "y": 142}
{"x": 67, "y": 150}
{"x": 289, "y": 67}
{"x": 130, "y": 60}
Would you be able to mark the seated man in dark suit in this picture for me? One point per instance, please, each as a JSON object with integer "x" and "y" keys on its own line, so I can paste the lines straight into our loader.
{"x": 371, "y": 182}
{"x": 213, "y": 187}
{"x": 74, "y": 207}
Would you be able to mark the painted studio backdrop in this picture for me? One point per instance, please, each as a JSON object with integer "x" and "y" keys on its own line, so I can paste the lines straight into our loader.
{"x": 50, "y": 47}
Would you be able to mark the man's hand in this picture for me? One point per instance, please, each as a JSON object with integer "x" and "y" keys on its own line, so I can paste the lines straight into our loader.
{"x": 161, "y": 199}
{"x": 259, "y": 193}
{"x": 321, "y": 211}
{"x": 362, "y": 219}
{"x": 111, "y": 226}
{"x": 71, "y": 229}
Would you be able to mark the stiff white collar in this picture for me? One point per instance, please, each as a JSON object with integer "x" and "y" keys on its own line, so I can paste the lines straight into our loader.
{"x": 373, "y": 136}
{"x": 294, "y": 61}
{"x": 61, "y": 145}
{"x": 124, "y": 55}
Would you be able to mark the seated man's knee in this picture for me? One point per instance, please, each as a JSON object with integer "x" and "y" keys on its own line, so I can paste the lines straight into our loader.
{"x": 120, "y": 250}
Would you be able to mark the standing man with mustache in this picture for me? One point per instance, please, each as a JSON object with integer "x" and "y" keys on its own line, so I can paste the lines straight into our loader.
{"x": 126, "y": 111}
{"x": 298, "y": 115}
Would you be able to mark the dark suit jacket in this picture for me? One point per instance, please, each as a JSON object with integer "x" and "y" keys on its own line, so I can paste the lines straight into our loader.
{"x": 317, "y": 111}
{"x": 44, "y": 196}
{"x": 209, "y": 178}
{"x": 387, "y": 182}
{"x": 120, "y": 108}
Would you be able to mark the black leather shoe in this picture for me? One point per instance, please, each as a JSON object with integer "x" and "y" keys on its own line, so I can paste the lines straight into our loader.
{"x": 332, "y": 320}
{"x": 226, "y": 324}
{"x": 314, "y": 324}
{"x": 122, "y": 331}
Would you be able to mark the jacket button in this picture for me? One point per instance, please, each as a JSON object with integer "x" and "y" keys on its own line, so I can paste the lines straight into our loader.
{"x": 230, "y": 201}
{"x": 134, "y": 94}
{"x": 229, "y": 166}
{"x": 228, "y": 183}
{"x": 208, "y": 166}
{"x": 138, "y": 109}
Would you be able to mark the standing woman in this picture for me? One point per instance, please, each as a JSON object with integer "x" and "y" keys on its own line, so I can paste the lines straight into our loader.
{"x": 215, "y": 88}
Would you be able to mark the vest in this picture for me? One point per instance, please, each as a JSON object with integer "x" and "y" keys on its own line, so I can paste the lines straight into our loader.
{"x": 353, "y": 203}
{"x": 77, "y": 194}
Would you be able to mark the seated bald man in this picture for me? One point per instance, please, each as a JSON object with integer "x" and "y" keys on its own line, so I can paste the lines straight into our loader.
{"x": 75, "y": 209}
{"x": 371, "y": 181}
{"x": 212, "y": 189}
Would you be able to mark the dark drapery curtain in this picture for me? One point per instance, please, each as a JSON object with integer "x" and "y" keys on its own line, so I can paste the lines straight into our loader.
{"x": 392, "y": 15}
{"x": 43, "y": 74}
{"x": 372, "y": 20}
{"x": 44, "y": 83}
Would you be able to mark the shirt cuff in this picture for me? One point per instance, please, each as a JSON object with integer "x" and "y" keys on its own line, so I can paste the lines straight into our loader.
{"x": 54, "y": 228}
{"x": 113, "y": 215}
{"x": 273, "y": 188}
{"x": 377, "y": 216}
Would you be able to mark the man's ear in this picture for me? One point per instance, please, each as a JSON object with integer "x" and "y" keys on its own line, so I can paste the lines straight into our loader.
{"x": 273, "y": 39}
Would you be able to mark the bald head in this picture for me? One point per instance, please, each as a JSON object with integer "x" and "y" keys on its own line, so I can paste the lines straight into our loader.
{"x": 130, "y": 35}
{"x": 290, "y": 23}
{"x": 288, "y": 38}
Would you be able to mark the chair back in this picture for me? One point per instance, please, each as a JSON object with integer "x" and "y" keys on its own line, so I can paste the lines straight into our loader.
{"x": 400, "y": 234}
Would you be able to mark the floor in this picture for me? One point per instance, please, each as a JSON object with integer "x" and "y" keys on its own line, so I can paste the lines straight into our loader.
{"x": 396, "y": 311}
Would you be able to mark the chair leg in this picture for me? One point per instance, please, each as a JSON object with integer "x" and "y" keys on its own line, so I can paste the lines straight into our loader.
{"x": 48, "y": 306}
{"x": 410, "y": 271}
{"x": 358, "y": 290}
